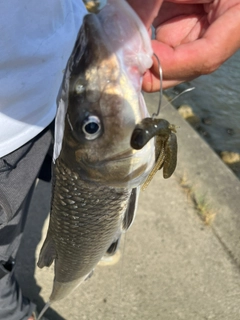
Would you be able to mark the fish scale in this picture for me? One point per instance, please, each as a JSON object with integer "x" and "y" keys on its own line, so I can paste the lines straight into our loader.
{"x": 86, "y": 240}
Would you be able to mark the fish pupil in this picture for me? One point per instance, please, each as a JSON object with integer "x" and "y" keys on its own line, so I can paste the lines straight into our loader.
{"x": 91, "y": 127}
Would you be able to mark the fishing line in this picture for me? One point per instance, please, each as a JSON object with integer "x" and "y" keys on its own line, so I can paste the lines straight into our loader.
{"x": 124, "y": 236}
{"x": 47, "y": 305}
{"x": 184, "y": 91}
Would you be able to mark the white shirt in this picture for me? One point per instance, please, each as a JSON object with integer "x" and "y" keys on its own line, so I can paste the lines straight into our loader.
{"x": 36, "y": 40}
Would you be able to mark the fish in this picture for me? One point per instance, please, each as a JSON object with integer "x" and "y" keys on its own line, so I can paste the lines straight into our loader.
{"x": 97, "y": 174}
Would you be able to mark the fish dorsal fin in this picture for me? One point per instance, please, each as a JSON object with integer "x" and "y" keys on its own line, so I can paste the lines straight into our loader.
{"x": 131, "y": 209}
{"x": 47, "y": 254}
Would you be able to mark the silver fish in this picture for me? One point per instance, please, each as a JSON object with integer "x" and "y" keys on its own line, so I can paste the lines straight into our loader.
{"x": 96, "y": 172}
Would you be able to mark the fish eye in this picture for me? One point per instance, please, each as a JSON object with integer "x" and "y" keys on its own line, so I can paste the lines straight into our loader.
{"x": 91, "y": 127}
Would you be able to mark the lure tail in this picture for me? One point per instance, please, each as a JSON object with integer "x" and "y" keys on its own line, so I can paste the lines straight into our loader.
{"x": 47, "y": 305}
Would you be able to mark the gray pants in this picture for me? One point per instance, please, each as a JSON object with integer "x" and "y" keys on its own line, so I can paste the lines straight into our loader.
{"x": 18, "y": 173}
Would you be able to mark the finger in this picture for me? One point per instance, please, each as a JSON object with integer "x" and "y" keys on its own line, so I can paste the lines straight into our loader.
{"x": 182, "y": 29}
{"x": 146, "y": 10}
{"x": 204, "y": 55}
{"x": 151, "y": 82}
{"x": 170, "y": 10}
{"x": 190, "y": 1}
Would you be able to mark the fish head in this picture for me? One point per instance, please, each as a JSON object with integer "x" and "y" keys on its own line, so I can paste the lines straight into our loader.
{"x": 100, "y": 101}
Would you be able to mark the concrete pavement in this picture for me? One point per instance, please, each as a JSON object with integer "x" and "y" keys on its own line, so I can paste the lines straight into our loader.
{"x": 173, "y": 266}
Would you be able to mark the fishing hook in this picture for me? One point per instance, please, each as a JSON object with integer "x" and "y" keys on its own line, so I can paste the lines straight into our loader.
{"x": 161, "y": 86}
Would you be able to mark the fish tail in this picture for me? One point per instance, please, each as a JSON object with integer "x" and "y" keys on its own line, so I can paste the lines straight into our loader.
{"x": 47, "y": 305}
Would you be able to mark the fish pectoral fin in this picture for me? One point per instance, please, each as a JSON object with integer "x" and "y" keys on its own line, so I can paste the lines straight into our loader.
{"x": 131, "y": 209}
{"x": 47, "y": 254}
{"x": 113, "y": 247}
{"x": 127, "y": 221}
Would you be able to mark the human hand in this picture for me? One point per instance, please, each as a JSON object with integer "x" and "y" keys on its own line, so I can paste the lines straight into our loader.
{"x": 193, "y": 37}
